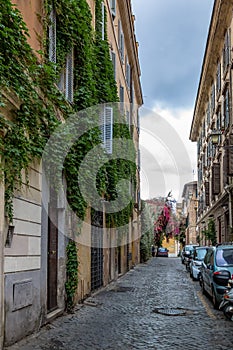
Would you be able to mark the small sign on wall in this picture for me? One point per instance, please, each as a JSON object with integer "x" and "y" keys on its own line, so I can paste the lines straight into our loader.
{"x": 22, "y": 294}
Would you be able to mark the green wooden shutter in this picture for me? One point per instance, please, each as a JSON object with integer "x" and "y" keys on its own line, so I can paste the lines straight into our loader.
{"x": 216, "y": 178}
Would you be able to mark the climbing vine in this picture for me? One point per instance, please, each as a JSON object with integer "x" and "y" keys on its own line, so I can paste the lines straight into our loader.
{"x": 71, "y": 274}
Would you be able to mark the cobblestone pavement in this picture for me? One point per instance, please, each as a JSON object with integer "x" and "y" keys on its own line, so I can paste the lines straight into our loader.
{"x": 154, "y": 306}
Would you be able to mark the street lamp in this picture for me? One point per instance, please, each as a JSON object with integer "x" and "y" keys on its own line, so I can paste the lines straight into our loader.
{"x": 215, "y": 136}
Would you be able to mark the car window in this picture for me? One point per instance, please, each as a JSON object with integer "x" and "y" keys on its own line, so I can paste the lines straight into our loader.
{"x": 207, "y": 257}
{"x": 224, "y": 257}
{"x": 200, "y": 254}
{"x": 212, "y": 258}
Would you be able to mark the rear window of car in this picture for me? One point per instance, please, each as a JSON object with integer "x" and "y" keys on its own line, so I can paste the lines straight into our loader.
{"x": 200, "y": 254}
{"x": 162, "y": 249}
{"x": 224, "y": 257}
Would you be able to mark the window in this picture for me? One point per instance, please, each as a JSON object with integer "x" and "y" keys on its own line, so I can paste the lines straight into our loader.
{"x": 218, "y": 78}
{"x": 127, "y": 73}
{"x": 215, "y": 178}
{"x": 208, "y": 115}
{"x": 113, "y": 8}
{"x": 122, "y": 99}
{"x": 121, "y": 40}
{"x": 226, "y": 109}
{"x": 226, "y": 51}
{"x": 113, "y": 58}
{"x": 103, "y": 20}
{"x": 107, "y": 128}
{"x": 213, "y": 98}
{"x": 65, "y": 83}
{"x": 128, "y": 118}
{"x": 52, "y": 36}
{"x": 219, "y": 120}
{"x": 207, "y": 193}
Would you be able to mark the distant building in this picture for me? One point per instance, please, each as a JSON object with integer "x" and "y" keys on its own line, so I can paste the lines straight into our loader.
{"x": 189, "y": 211}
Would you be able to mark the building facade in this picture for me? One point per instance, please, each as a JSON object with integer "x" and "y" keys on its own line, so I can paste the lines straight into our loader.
{"x": 212, "y": 129}
{"x": 33, "y": 244}
{"x": 189, "y": 210}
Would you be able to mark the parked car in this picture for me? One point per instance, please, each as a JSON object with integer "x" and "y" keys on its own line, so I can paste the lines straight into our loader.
{"x": 186, "y": 252}
{"x": 162, "y": 252}
{"x": 196, "y": 262}
{"x": 217, "y": 268}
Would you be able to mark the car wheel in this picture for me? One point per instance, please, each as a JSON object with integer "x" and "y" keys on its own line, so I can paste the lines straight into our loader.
{"x": 191, "y": 273}
{"x": 214, "y": 298}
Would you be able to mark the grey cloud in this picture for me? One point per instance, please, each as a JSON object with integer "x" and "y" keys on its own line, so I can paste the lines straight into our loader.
{"x": 172, "y": 36}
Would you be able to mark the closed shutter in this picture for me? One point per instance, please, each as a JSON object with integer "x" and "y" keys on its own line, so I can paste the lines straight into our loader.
{"x": 108, "y": 129}
{"x": 103, "y": 18}
{"x": 207, "y": 193}
{"x": 52, "y": 36}
{"x": 230, "y": 155}
{"x": 69, "y": 76}
{"x": 120, "y": 40}
{"x": 102, "y": 127}
{"x": 113, "y": 57}
{"x": 215, "y": 179}
{"x": 128, "y": 74}
{"x": 225, "y": 167}
{"x": 122, "y": 100}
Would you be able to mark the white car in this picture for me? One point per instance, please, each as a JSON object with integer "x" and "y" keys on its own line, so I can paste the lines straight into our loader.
{"x": 196, "y": 262}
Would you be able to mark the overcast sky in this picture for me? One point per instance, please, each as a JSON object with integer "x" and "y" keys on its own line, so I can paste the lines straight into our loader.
{"x": 172, "y": 37}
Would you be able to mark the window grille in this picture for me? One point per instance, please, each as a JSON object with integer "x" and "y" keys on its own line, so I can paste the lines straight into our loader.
{"x": 52, "y": 36}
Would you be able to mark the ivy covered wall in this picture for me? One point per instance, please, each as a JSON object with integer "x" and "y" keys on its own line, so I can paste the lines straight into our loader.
{"x": 29, "y": 128}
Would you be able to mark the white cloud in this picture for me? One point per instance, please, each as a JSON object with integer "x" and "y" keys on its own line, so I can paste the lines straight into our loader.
{"x": 168, "y": 156}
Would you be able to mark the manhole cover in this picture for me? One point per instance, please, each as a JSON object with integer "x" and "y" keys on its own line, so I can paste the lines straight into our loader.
{"x": 122, "y": 289}
{"x": 170, "y": 311}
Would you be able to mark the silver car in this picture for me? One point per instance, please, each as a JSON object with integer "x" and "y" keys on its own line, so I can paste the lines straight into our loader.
{"x": 196, "y": 262}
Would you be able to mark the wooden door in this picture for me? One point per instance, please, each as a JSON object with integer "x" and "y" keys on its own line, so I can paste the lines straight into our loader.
{"x": 52, "y": 253}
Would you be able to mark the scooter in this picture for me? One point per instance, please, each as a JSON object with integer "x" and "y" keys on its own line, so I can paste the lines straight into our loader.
{"x": 226, "y": 304}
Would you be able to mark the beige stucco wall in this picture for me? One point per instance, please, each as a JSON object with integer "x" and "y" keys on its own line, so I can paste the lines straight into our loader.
{"x": 31, "y": 12}
{"x": 25, "y": 251}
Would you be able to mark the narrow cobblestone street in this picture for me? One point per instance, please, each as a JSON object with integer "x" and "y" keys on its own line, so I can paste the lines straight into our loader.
{"x": 154, "y": 306}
